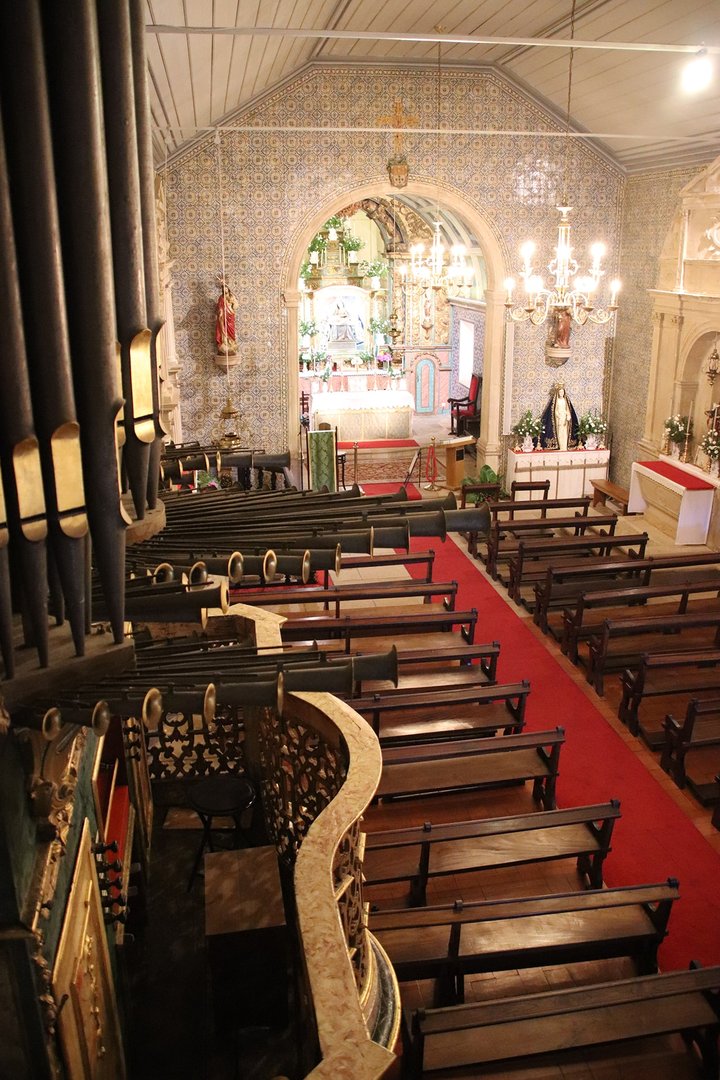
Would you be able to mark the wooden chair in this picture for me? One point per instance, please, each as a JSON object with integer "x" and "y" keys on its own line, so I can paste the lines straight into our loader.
{"x": 463, "y": 408}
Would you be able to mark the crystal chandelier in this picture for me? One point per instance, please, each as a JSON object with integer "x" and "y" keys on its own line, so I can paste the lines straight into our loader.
{"x": 439, "y": 269}
{"x": 566, "y": 294}
{"x": 566, "y": 299}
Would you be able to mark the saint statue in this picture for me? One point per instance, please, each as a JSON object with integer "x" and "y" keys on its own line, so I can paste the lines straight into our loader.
{"x": 341, "y": 324}
{"x": 560, "y": 329}
{"x": 225, "y": 309}
{"x": 560, "y": 422}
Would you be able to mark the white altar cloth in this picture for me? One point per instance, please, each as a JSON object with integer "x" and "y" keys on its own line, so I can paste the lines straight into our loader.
{"x": 366, "y": 414}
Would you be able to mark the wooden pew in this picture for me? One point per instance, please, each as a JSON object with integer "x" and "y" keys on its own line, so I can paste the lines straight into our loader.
{"x": 499, "y": 706}
{"x": 511, "y": 1030}
{"x": 429, "y": 768}
{"x": 622, "y": 642}
{"x": 581, "y": 621}
{"x": 661, "y": 675}
{"x": 504, "y": 536}
{"x": 451, "y": 941}
{"x": 700, "y": 727}
{"x": 605, "y": 489}
{"x": 533, "y": 557}
{"x": 338, "y": 594}
{"x": 512, "y": 507}
{"x": 370, "y": 624}
{"x": 487, "y": 653}
{"x": 403, "y": 558}
{"x": 427, "y": 851}
{"x": 563, "y": 584}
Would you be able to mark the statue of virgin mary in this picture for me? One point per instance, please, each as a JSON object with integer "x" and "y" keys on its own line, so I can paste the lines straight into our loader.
{"x": 559, "y": 421}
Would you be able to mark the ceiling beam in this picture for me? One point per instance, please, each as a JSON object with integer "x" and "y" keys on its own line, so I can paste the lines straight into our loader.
{"x": 449, "y": 39}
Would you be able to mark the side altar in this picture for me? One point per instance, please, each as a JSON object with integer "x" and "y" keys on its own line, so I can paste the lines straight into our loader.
{"x": 570, "y": 472}
{"x": 675, "y": 497}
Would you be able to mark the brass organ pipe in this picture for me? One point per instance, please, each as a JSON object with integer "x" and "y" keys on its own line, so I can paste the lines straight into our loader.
{"x": 74, "y": 76}
{"x": 153, "y": 293}
{"x": 19, "y": 453}
{"x": 40, "y": 273}
{"x": 127, "y": 243}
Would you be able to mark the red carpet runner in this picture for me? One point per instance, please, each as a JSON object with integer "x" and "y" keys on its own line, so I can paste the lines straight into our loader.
{"x": 653, "y": 840}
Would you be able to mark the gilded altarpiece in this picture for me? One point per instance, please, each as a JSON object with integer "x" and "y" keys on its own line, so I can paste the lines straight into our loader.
{"x": 82, "y": 983}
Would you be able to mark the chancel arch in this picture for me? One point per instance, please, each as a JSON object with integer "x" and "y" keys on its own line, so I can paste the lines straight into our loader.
{"x": 461, "y": 223}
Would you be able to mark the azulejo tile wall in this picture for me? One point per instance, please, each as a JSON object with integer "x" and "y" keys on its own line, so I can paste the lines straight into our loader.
{"x": 651, "y": 200}
{"x": 275, "y": 181}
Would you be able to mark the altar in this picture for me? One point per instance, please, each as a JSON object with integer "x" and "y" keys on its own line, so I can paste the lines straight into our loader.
{"x": 676, "y": 498}
{"x": 365, "y": 414}
{"x": 570, "y": 472}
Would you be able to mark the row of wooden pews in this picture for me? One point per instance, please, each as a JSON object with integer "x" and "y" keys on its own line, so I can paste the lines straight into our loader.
{"x": 451, "y": 891}
{"x": 655, "y": 623}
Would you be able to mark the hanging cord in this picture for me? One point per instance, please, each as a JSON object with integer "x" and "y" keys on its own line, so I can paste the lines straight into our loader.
{"x": 567, "y": 109}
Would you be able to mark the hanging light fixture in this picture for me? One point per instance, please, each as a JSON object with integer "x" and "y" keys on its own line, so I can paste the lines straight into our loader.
{"x": 439, "y": 268}
{"x": 712, "y": 365}
{"x": 566, "y": 299}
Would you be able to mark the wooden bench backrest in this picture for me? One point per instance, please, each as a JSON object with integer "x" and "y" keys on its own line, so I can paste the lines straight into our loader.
{"x": 640, "y": 594}
{"x": 535, "y": 506}
{"x": 576, "y": 521}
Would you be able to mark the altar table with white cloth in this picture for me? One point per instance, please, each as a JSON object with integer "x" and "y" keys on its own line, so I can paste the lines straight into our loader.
{"x": 676, "y": 498}
{"x": 365, "y": 414}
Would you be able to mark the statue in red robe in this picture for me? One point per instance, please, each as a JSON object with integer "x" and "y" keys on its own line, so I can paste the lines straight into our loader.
{"x": 225, "y": 309}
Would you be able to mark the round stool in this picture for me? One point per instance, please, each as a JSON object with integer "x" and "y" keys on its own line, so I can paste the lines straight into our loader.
{"x": 218, "y": 796}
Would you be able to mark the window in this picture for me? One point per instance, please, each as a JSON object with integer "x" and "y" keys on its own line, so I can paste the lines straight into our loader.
{"x": 466, "y": 351}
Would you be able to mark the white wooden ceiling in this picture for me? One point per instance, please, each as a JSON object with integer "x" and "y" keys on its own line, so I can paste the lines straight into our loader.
{"x": 630, "y": 100}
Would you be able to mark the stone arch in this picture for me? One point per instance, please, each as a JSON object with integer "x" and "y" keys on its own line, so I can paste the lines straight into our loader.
{"x": 496, "y": 263}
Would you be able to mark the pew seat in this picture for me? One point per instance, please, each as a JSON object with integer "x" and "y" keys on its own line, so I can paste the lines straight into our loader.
{"x": 527, "y": 1027}
{"x": 533, "y": 558}
{"x": 698, "y": 730}
{"x": 499, "y": 705}
{"x": 621, "y": 643}
{"x": 591, "y": 608}
{"x": 460, "y": 765}
{"x": 368, "y": 622}
{"x": 661, "y": 676}
{"x": 419, "y": 853}
{"x": 449, "y": 941}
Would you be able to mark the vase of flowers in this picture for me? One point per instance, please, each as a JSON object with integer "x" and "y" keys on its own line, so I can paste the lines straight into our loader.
{"x": 710, "y": 445}
{"x": 677, "y": 432}
{"x": 527, "y": 429}
{"x": 592, "y": 428}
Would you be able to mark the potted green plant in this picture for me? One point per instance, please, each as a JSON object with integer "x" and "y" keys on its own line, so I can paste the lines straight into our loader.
{"x": 527, "y": 429}
{"x": 487, "y": 475}
{"x": 677, "y": 431}
{"x": 367, "y": 358}
{"x": 592, "y": 427}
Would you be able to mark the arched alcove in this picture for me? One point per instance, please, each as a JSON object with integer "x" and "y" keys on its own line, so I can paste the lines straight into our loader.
{"x": 461, "y": 218}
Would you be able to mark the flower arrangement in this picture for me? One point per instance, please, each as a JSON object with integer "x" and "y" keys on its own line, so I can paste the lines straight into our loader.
{"x": 710, "y": 444}
{"x": 592, "y": 424}
{"x": 352, "y": 243}
{"x": 678, "y": 428}
{"x": 376, "y": 268}
{"x": 528, "y": 425}
{"x": 367, "y": 358}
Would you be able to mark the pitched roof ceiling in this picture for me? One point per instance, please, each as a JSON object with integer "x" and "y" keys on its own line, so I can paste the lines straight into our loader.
{"x": 207, "y": 59}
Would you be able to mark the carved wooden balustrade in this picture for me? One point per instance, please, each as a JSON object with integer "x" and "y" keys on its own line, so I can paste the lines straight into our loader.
{"x": 318, "y": 766}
